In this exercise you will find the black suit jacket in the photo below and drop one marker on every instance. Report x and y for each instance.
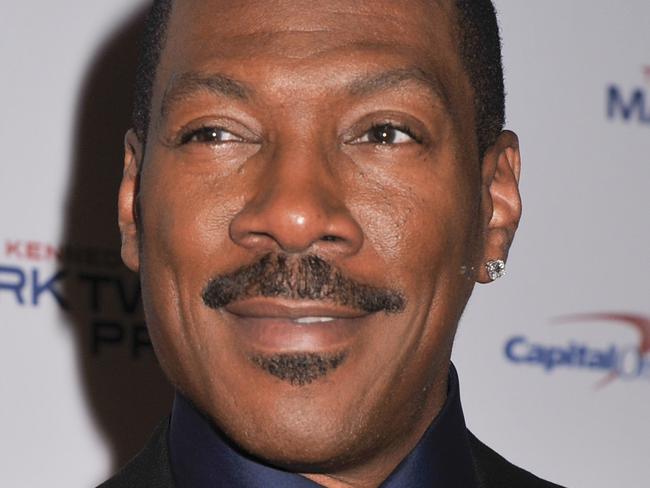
(151, 468)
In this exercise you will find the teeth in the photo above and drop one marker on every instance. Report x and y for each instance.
(313, 320)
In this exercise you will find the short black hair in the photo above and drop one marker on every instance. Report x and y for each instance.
(480, 52)
(152, 43)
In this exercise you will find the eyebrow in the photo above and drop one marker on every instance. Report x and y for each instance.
(385, 80)
(184, 84)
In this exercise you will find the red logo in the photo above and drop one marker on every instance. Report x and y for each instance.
(638, 322)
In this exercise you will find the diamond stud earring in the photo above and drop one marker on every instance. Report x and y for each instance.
(496, 268)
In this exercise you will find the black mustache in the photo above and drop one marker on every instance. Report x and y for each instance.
(308, 277)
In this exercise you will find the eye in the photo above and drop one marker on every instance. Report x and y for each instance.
(387, 134)
(210, 135)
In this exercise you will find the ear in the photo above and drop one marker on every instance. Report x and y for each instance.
(127, 213)
(500, 201)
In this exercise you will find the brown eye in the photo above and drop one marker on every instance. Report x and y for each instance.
(387, 134)
(210, 135)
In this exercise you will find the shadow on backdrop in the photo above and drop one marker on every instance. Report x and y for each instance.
(124, 387)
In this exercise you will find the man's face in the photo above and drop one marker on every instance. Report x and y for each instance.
(310, 195)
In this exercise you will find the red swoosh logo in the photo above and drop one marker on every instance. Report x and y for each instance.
(639, 322)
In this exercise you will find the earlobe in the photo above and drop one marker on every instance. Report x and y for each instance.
(127, 213)
(500, 202)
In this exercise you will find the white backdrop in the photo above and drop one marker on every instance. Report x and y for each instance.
(554, 360)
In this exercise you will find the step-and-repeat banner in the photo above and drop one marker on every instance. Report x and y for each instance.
(554, 359)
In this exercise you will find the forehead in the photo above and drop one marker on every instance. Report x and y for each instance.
(306, 44)
(346, 20)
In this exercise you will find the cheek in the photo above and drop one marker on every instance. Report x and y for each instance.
(423, 227)
(186, 215)
(384, 215)
(184, 233)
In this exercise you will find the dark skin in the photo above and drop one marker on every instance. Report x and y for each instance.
(340, 129)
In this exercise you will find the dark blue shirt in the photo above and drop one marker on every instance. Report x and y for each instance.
(201, 458)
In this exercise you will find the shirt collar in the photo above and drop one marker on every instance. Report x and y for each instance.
(202, 457)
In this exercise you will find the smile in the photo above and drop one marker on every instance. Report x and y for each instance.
(273, 325)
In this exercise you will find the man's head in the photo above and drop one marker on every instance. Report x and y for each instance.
(313, 214)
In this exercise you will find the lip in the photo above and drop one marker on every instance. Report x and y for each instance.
(285, 309)
(268, 325)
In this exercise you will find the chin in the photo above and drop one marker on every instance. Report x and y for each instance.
(307, 429)
(306, 445)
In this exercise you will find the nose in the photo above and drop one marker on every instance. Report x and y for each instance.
(298, 205)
